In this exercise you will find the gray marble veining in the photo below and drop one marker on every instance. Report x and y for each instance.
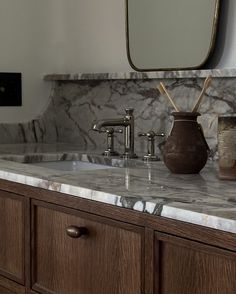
(78, 100)
(149, 188)
(77, 105)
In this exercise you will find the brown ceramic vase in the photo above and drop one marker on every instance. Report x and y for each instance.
(185, 150)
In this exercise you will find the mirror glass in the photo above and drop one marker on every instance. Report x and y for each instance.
(170, 34)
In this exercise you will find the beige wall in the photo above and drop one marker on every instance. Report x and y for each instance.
(62, 36)
(57, 36)
(24, 35)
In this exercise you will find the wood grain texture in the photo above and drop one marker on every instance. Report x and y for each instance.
(6, 291)
(149, 261)
(27, 245)
(12, 236)
(184, 267)
(107, 260)
(12, 287)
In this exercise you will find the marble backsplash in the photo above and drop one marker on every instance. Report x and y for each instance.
(76, 105)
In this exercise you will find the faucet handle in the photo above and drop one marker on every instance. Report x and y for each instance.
(110, 140)
(109, 131)
(113, 131)
(151, 135)
(151, 145)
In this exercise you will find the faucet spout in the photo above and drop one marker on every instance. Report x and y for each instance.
(112, 122)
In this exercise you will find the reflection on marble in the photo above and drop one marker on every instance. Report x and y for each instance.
(149, 188)
(76, 105)
(203, 214)
(34, 153)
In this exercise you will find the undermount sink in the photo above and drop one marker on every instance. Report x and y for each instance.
(74, 165)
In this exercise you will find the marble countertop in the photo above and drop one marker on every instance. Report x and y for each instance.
(201, 199)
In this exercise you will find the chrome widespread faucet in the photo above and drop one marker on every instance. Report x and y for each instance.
(128, 123)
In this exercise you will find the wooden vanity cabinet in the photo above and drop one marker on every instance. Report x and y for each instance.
(184, 267)
(52, 243)
(12, 237)
(76, 253)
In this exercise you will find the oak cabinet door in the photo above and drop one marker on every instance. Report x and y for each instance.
(10, 287)
(6, 291)
(12, 236)
(184, 267)
(106, 258)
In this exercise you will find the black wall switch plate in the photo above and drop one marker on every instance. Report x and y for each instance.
(10, 89)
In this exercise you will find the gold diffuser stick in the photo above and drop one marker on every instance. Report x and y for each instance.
(206, 84)
(164, 91)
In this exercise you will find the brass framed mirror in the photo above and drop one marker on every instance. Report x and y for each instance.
(170, 35)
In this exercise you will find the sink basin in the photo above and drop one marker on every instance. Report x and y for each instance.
(74, 165)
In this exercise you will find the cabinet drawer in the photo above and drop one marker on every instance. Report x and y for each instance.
(184, 267)
(12, 236)
(106, 259)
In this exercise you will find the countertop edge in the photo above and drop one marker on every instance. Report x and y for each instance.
(167, 211)
(217, 73)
